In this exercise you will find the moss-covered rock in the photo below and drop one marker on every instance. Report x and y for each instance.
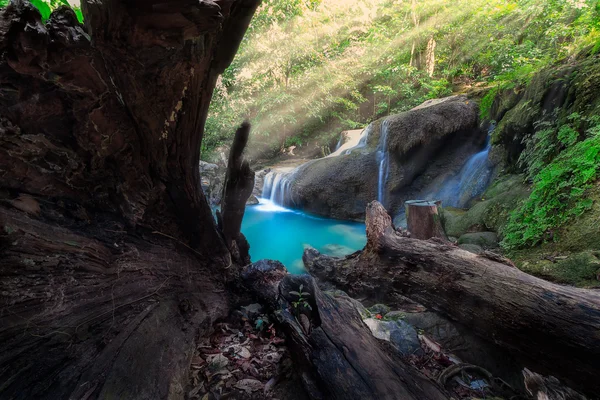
(486, 240)
(552, 95)
(472, 248)
(579, 269)
(379, 309)
(490, 214)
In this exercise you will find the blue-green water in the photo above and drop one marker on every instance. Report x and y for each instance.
(279, 233)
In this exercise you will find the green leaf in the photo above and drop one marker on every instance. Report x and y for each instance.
(43, 8)
(295, 293)
(79, 14)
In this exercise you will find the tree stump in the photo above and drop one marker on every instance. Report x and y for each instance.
(423, 219)
(239, 183)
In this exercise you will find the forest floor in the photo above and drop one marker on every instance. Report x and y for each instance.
(246, 358)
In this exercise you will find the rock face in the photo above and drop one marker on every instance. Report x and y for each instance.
(212, 176)
(402, 336)
(406, 155)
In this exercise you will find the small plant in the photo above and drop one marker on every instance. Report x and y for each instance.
(302, 301)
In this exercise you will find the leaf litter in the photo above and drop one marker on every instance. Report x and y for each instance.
(245, 358)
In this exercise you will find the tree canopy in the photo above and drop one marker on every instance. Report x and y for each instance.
(309, 69)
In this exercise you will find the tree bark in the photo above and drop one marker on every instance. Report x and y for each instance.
(336, 352)
(552, 329)
(111, 263)
(423, 220)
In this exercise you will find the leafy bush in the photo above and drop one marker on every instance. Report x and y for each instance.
(558, 195)
(485, 105)
(45, 7)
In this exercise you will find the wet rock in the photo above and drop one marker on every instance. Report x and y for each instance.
(336, 250)
(400, 334)
(490, 214)
(259, 181)
(425, 147)
(486, 240)
(395, 315)
(212, 177)
(252, 311)
(473, 248)
(252, 200)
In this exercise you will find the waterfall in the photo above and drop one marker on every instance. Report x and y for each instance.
(362, 141)
(276, 187)
(339, 143)
(383, 161)
(471, 181)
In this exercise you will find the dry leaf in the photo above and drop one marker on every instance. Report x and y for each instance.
(436, 348)
(243, 352)
(249, 385)
(217, 362)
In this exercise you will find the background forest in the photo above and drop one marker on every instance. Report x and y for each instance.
(308, 69)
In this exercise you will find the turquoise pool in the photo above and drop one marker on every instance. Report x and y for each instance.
(278, 233)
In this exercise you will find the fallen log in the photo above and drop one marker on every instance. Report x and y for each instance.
(336, 352)
(552, 329)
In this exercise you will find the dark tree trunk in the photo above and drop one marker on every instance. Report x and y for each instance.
(111, 264)
(338, 356)
(552, 329)
(238, 186)
(423, 220)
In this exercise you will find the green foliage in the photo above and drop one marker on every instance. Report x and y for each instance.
(485, 105)
(45, 7)
(302, 302)
(560, 184)
(309, 69)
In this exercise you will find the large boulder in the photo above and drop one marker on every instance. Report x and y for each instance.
(420, 149)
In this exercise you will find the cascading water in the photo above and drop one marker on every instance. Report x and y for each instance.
(276, 187)
(472, 180)
(383, 162)
(362, 142)
(339, 143)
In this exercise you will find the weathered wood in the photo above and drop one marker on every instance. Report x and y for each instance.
(338, 355)
(423, 220)
(552, 329)
(548, 388)
(111, 264)
(238, 186)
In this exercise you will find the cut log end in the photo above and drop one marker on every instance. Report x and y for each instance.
(423, 219)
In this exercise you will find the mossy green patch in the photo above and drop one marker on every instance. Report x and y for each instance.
(579, 269)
